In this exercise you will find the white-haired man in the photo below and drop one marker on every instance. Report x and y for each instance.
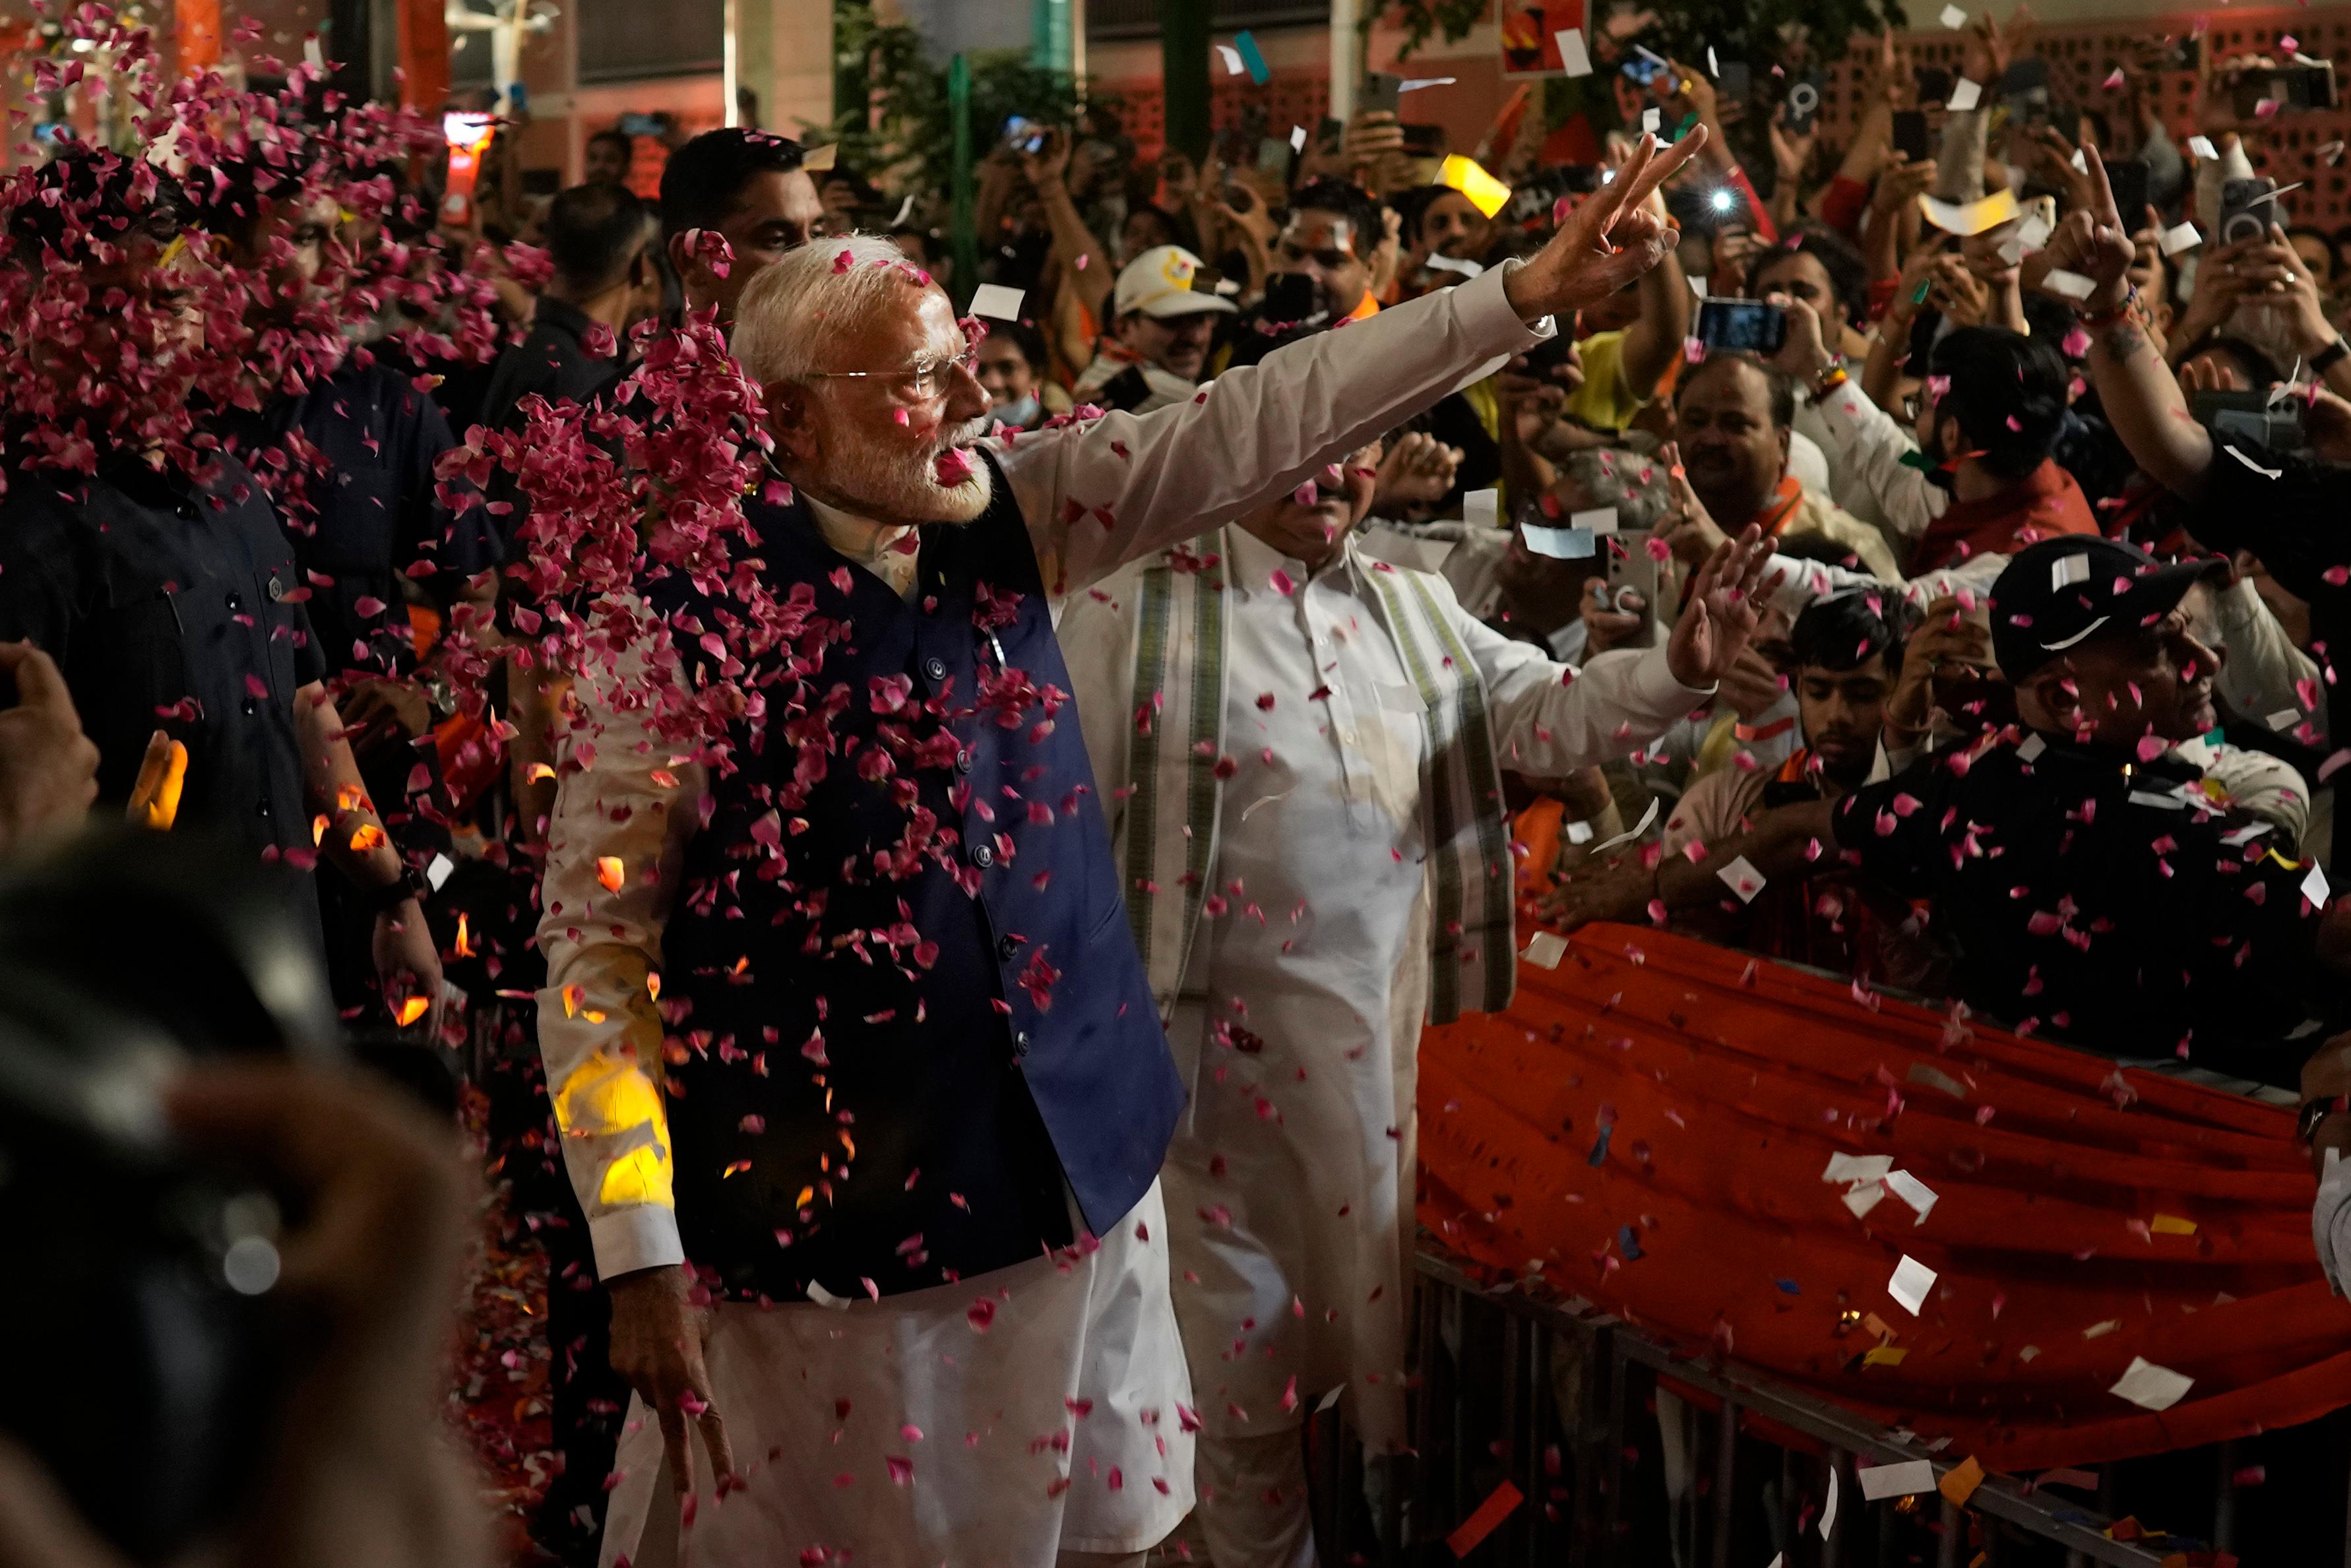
(913, 1083)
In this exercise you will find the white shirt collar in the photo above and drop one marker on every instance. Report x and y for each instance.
(867, 543)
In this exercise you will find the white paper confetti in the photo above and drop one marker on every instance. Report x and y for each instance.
(438, 872)
(1912, 1191)
(2030, 747)
(1911, 1283)
(1572, 52)
(2314, 886)
(1599, 519)
(996, 301)
(2033, 231)
(1697, 285)
(1741, 877)
(1298, 139)
(1828, 1509)
(1232, 58)
(2071, 285)
(1652, 119)
(2151, 1387)
(1954, 18)
(1416, 83)
(1857, 1168)
(1460, 263)
(2240, 456)
(2068, 570)
(1579, 832)
(1906, 1478)
(1965, 95)
(1546, 948)
(2179, 237)
(2202, 147)
(826, 1299)
(1480, 509)
(1558, 544)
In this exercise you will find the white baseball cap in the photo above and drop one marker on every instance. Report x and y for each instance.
(1166, 281)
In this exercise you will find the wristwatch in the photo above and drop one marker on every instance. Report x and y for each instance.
(384, 900)
(2328, 357)
(2313, 1112)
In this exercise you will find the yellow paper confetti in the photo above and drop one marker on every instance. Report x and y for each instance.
(408, 1009)
(367, 836)
(610, 873)
(2172, 1225)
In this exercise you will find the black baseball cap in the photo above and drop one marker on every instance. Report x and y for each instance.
(2061, 592)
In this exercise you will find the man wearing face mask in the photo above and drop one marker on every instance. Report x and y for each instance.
(2096, 891)
(1163, 313)
(1301, 750)
(1012, 373)
(903, 1096)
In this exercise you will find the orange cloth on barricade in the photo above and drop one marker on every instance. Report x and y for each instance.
(1651, 1120)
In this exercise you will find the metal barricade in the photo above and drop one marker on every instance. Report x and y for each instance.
(1562, 1401)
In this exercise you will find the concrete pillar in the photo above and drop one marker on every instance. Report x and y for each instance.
(784, 54)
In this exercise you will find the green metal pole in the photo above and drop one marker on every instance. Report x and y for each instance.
(967, 237)
(1183, 75)
(1049, 35)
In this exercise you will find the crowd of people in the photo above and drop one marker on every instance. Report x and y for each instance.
(940, 834)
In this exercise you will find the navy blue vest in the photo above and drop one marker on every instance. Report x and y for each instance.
(903, 1004)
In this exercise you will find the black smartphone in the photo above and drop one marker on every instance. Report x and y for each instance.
(2248, 208)
(1934, 84)
(2029, 73)
(2296, 87)
(1379, 94)
(1748, 325)
(1534, 200)
(2250, 414)
(2128, 177)
(1424, 140)
(1736, 82)
(1804, 102)
(1549, 354)
(1910, 134)
(1290, 297)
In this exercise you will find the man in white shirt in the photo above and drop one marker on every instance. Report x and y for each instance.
(1301, 747)
(846, 967)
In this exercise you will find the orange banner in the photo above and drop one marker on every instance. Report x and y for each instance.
(1650, 1125)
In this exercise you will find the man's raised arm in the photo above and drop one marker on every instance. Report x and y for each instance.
(1123, 486)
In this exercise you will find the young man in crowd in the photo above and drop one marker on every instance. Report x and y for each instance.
(1845, 654)
(1164, 311)
(748, 188)
(602, 240)
(609, 155)
(2096, 893)
(1979, 478)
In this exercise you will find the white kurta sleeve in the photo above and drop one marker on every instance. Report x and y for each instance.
(1870, 445)
(1791, 583)
(1116, 489)
(616, 819)
(2264, 672)
(1550, 719)
(2330, 1223)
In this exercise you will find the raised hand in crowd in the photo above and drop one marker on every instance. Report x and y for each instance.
(1618, 621)
(1720, 612)
(1689, 530)
(1948, 643)
(1610, 239)
(48, 767)
(1414, 476)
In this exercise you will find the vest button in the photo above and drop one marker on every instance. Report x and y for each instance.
(1020, 1043)
(982, 857)
(963, 760)
(935, 668)
(1006, 947)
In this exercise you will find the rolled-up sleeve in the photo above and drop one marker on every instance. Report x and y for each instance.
(1110, 490)
(1550, 719)
(624, 812)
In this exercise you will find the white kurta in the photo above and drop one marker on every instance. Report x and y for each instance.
(1095, 496)
(1289, 1186)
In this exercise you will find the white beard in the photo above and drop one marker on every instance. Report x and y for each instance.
(886, 485)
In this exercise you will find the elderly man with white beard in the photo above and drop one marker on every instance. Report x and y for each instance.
(904, 1095)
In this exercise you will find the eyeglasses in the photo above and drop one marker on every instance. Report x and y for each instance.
(924, 379)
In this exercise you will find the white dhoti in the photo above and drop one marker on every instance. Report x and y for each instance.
(900, 1432)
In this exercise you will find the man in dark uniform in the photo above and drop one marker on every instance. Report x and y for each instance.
(174, 602)
(602, 239)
